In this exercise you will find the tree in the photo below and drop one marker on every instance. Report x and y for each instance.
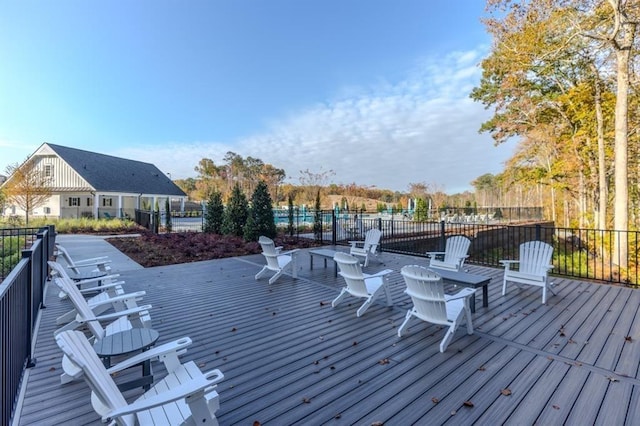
(28, 186)
(214, 214)
(290, 205)
(261, 220)
(317, 222)
(236, 213)
(421, 211)
(167, 218)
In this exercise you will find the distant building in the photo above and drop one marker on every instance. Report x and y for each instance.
(3, 178)
(88, 184)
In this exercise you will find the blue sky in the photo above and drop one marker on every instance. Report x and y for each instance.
(376, 91)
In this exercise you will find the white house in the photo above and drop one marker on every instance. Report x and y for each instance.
(88, 184)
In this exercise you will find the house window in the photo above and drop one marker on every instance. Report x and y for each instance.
(107, 202)
(47, 210)
(48, 170)
(74, 201)
(89, 201)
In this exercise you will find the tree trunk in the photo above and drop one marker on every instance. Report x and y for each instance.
(601, 219)
(621, 158)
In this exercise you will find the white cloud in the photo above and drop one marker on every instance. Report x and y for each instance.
(421, 129)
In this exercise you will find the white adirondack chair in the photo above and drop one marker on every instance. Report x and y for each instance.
(430, 304)
(110, 296)
(97, 263)
(533, 267)
(367, 247)
(360, 285)
(277, 260)
(185, 396)
(453, 256)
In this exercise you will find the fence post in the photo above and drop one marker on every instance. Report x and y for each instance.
(443, 237)
(538, 231)
(31, 362)
(334, 227)
(44, 266)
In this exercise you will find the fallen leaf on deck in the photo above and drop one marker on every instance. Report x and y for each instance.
(384, 361)
(234, 329)
(506, 392)
(628, 339)
(306, 400)
(556, 407)
(468, 404)
(256, 423)
(435, 400)
(482, 368)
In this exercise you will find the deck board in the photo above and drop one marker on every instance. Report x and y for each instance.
(290, 358)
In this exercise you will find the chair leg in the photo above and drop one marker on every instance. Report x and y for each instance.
(387, 294)
(200, 411)
(405, 322)
(262, 272)
(338, 299)
(447, 337)
(365, 305)
(275, 277)
(504, 286)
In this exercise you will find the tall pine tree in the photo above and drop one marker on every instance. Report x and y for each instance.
(236, 214)
(214, 214)
(261, 220)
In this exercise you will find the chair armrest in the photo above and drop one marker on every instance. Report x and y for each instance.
(378, 274)
(289, 252)
(179, 392)
(95, 260)
(87, 265)
(355, 243)
(434, 253)
(100, 287)
(154, 352)
(507, 263)
(137, 295)
(465, 292)
(97, 279)
(116, 315)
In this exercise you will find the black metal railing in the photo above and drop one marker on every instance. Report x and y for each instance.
(578, 253)
(21, 298)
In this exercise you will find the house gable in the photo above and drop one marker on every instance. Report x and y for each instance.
(105, 173)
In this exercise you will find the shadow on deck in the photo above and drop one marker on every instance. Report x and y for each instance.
(289, 358)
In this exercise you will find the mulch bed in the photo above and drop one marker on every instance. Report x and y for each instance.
(167, 249)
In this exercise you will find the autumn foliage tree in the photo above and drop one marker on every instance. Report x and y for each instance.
(28, 186)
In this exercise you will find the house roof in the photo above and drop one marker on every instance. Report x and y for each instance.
(114, 174)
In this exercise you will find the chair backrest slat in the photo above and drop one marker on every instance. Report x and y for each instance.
(67, 285)
(456, 247)
(535, 257)
(427, 293)
(78, 350)
(269, 251)
(351, 271)
(372, 239)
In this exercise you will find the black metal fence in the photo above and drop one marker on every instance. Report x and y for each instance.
(21, 298)
(578, 253)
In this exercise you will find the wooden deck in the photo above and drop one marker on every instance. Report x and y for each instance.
(289, 358)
